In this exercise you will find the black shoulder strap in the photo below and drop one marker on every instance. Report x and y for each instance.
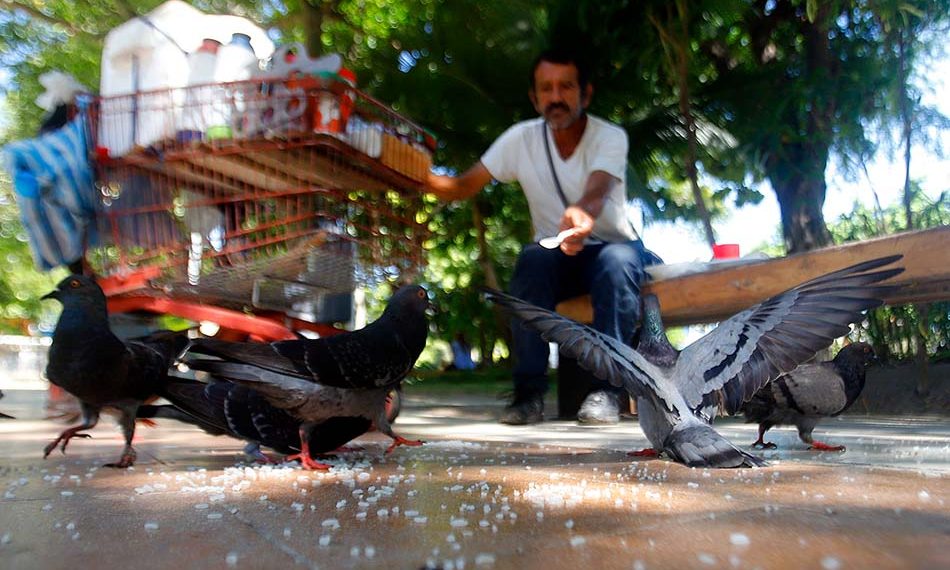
(557, 183)
(547, 149)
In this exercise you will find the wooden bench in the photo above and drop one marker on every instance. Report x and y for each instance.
(720, 292)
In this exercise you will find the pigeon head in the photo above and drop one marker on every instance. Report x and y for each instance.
(408, 302)
(859, 354)
(80, 293)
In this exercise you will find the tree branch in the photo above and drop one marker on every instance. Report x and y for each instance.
(38, 14)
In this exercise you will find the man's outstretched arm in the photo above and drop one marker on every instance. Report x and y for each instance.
(459, 187)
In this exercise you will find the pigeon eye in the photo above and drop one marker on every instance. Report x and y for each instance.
(75, 283)
(421, 294)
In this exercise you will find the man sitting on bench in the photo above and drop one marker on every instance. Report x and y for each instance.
(571, 167)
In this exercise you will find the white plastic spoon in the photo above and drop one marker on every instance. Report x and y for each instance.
(554, 242)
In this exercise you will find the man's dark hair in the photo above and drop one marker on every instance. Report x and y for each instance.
(563, 56)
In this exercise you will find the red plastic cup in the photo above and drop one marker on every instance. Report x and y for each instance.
(725, 251)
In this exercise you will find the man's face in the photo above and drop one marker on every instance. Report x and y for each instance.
(557, 94)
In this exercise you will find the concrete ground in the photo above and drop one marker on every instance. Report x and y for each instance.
(477, 495)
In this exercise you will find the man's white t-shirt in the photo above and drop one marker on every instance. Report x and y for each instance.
(519, 155)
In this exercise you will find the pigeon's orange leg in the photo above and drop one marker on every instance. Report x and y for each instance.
(646, 452)
(127, 459)
(90, 417)
(399, 440)
(64, 438)
(306, 461)
(821, 446)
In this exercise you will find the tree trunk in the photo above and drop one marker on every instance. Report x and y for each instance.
(692, 144)
(486, 341)
(907, 119)
(923, 372)
(677, 52)
(484, 257)
(313, 25)
(800, 199)
(796, 168)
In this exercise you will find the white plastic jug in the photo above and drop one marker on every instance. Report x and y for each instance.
(200, 105)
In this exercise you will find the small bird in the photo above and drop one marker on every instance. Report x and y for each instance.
(345, 375)
(226, 408)
(3, 415)
(809, 393)
(90, 362)
(679, 392)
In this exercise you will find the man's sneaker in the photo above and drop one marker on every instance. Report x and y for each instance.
(524, 410)
(600, 407)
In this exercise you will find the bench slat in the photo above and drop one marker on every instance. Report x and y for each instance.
(713, 295)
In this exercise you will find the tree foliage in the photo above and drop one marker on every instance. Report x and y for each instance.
(897, 333)
(724, 92)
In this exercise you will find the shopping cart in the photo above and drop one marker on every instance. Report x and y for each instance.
(259, 205)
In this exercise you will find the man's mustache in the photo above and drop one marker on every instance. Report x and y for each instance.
(554, 106)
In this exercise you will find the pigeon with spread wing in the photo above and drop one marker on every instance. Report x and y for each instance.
(678, 392)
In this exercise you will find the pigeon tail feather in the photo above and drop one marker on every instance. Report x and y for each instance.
(698, 445)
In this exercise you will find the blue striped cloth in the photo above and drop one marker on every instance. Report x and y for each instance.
(53, 183)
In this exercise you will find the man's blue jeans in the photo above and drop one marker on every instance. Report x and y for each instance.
(610, 272)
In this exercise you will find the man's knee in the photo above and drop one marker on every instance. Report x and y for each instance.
(619, 265)
(536, 267)
(536, 258)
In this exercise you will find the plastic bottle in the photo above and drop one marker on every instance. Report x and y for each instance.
(200, 110)
(235, 62)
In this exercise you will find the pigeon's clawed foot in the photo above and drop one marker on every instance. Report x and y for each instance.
(64, 439)
(647, 452)
(820, 446)
(127, 459)
(764, 445)
(308, 462)
(399, 440)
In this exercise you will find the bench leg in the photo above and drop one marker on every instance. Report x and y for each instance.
(572, 388)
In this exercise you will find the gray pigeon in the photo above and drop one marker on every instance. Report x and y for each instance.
(226, 408)
(3, 415)
(343, 376)
(678, 392)
(811, 392)
(87, 360)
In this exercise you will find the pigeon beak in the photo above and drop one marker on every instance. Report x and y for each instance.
(54, 294)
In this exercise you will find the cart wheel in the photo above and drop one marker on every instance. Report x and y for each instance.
(393, 405)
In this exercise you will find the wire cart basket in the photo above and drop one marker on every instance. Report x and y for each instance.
(260, 205)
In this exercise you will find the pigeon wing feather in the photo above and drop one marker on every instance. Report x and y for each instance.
(603, 356)
(757, 345)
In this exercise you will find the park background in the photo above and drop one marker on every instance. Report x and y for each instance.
(782, 126)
